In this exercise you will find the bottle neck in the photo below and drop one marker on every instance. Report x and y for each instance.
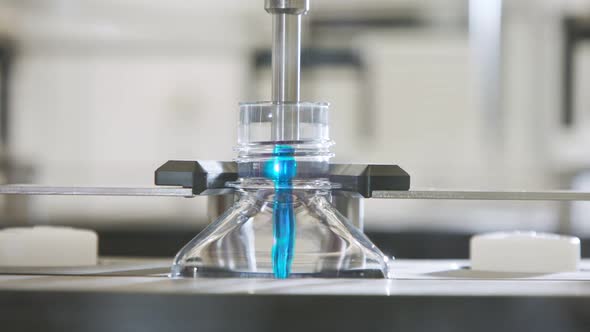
(283, 143)
(284, 165)
(278, 161)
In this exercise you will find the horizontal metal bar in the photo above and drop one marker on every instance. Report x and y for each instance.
(25, 189)
(435, 194)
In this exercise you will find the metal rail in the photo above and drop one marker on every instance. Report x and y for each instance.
(484, 195)
(25, 189)
(431, 194)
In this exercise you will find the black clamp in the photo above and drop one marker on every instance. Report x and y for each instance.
(210, 177)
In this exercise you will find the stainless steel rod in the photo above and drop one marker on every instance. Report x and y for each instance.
(286, 65)
(433, 194)
(24, 189)
(286, 58)
(552, 195)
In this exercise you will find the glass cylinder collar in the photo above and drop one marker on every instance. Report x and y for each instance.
(267, 122)
(270, 130)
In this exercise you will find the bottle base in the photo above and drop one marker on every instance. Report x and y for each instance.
(193, 272)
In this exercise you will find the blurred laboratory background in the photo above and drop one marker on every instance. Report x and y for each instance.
(479, 94)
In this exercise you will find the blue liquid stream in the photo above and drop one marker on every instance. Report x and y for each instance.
(282, 168)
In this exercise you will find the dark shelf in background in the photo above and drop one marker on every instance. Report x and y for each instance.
(408, 244)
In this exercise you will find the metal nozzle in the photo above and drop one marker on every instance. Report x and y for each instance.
(293, 7)
(286, 47)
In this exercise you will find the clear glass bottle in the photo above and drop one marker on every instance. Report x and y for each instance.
(282, 223)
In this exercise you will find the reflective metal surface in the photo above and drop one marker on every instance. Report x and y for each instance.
(23, 189)
(295, 7)
(218, 204)
(412, 278)
(286, 66)
(286, 47)
(435, 194)
(553, 195)
(115, 266)
(352, 206)
(286, 62)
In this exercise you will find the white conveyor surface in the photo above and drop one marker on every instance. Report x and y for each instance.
(412, 278)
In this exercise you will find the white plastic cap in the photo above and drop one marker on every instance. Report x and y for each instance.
(527, 252)
(44, 246)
